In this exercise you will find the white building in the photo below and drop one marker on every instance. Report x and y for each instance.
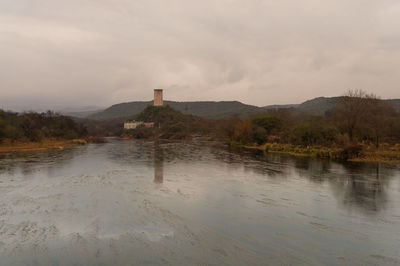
(132, 124)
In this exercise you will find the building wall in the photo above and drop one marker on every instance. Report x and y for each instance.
(132, 125)
(158, 97)
(135, 124)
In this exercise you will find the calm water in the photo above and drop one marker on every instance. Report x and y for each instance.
(126, 202)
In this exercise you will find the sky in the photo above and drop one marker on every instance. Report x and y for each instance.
(56, 54)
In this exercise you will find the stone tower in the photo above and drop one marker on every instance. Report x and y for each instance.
(158, 97)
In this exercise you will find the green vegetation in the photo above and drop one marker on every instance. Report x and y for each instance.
(169, 124)
(33, 127)
(353, 130)
(347, 153)
(319, 106)
(79, 141)
(8, 146)
(102, 128)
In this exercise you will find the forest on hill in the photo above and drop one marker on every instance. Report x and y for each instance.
(208, 109)
(170, 124)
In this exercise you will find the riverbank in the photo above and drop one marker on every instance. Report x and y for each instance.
(355, 153)
(380, 155)
(8, 146)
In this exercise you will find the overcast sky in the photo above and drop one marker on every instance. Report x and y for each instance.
(60, 53)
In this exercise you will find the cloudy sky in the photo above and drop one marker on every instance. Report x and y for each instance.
(59, 53)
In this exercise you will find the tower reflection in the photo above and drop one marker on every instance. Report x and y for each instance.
(158, 163)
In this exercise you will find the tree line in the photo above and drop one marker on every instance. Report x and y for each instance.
(358, 118)
(34, 127)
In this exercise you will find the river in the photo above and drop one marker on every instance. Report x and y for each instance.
(185, 203)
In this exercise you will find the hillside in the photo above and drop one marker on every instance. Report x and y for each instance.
(80, 112)
(120, 110)
(206, 109)
(320, 105)
(216, 110)
(169, 124)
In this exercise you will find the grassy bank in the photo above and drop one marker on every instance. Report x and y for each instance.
(8, 146)
(384, 154)
(361, 153)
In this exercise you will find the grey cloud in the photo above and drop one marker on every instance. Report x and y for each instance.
(71, 53)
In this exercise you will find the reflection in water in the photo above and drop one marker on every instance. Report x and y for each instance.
(356, 185)
(158, 163)
(98, 205)
(363, 186)
(30, 162)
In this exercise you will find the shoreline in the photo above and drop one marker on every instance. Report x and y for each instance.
(376, 156)
(44, 145)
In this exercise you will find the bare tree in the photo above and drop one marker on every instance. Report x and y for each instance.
(351, 111)
(359, 109)
(378, 114)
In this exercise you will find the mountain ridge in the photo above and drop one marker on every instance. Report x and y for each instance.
(222, 109)
(207, 109)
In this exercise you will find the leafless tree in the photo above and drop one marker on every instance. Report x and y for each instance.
(377, 118)
(359, 109)
(351, 111)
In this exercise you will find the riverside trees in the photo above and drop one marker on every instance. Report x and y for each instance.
(363, 116)
(358, 117)
(35, 126)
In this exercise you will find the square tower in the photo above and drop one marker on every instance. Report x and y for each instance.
(158, 97)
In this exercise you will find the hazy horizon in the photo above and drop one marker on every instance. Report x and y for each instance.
(57, 54)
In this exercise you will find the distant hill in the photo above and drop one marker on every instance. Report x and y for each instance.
(217, 110)
(81, 112)
(207, 109)
(120, 110)
(320, 105)
(280, 106)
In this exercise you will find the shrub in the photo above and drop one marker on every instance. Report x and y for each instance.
(243, 132)
(141, 132)
(351, 151)
(260, 135)
(2, 130)
(79, 141)
(269, 123)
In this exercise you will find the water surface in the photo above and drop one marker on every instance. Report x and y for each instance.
(157, 203)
